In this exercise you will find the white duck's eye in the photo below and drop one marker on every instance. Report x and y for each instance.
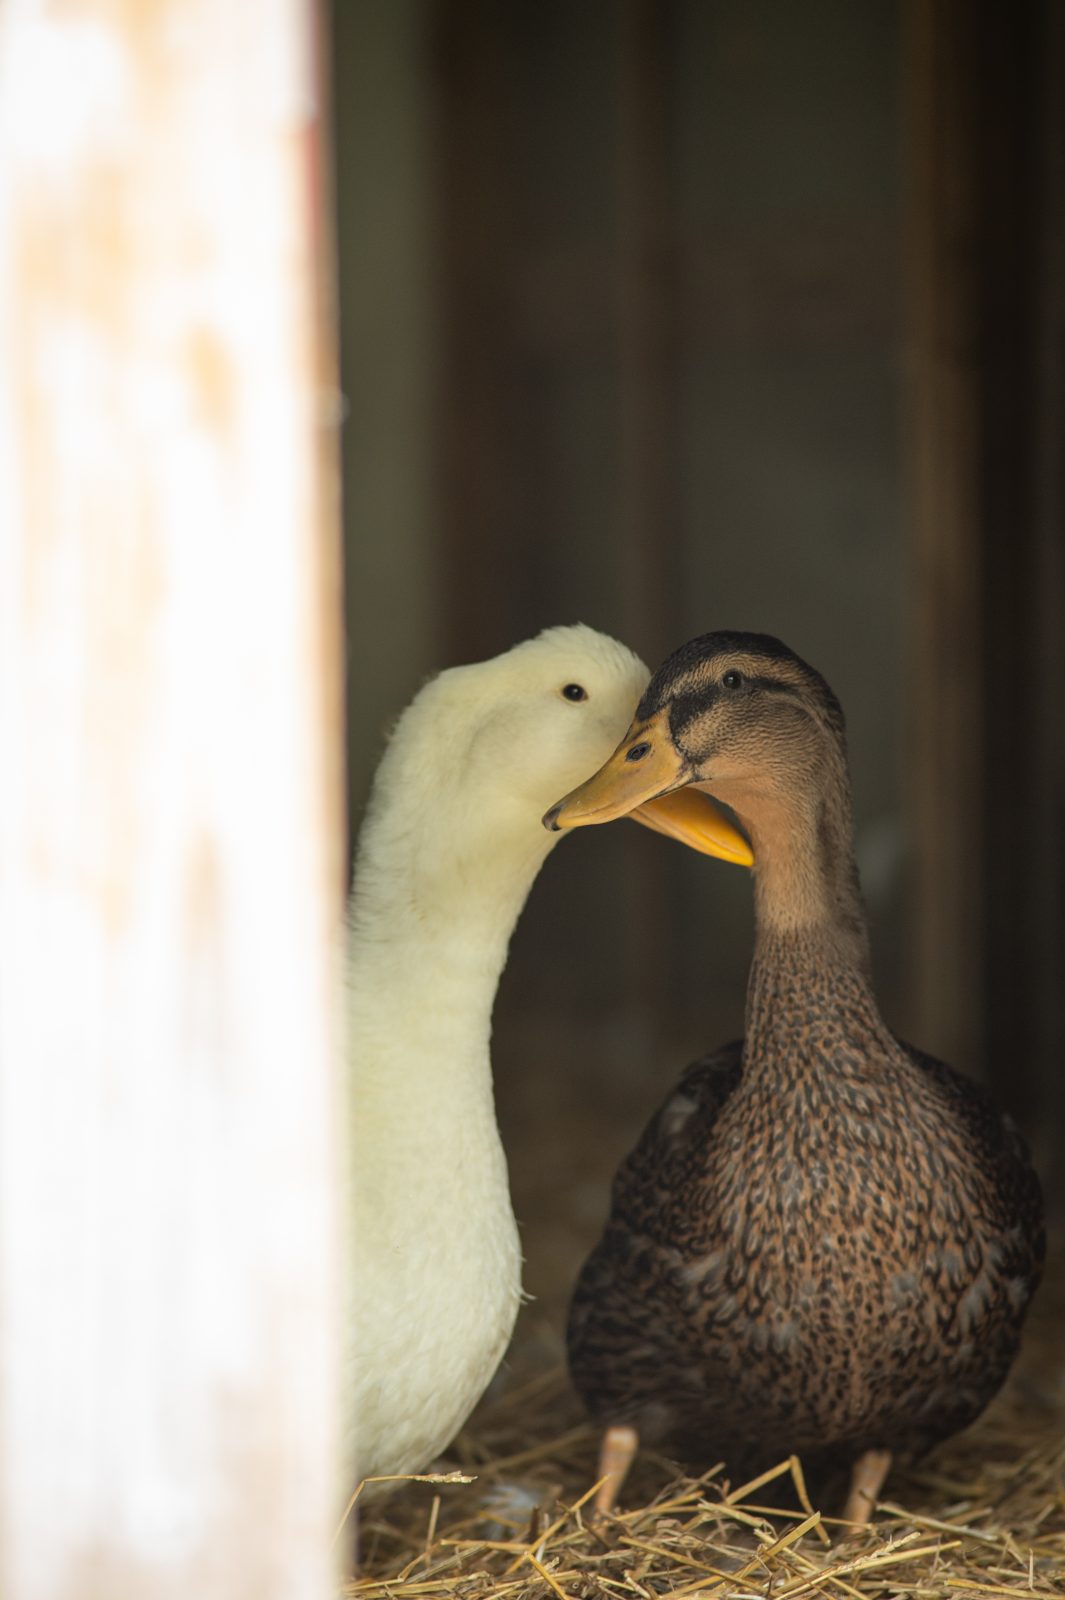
(573, 691)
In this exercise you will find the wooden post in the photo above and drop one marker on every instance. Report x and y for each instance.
(170, 819)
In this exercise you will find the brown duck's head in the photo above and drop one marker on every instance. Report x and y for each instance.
(736, 714)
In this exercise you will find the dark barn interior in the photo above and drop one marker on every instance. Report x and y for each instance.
(667, 315)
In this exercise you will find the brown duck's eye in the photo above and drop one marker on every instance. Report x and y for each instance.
(573, 691)
(732, 679)
(637, 752)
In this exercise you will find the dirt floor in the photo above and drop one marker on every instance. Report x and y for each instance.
(984, 1515)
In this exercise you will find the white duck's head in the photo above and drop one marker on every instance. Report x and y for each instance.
(484, 749)
(542, 708)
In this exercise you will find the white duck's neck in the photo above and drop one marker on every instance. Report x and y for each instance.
(429, 933)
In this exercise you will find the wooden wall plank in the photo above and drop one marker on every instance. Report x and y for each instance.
(170, 807)
(1046, 860)
(945, 692)
(647, 496)
(1021, 128)
(985, 779)
(478, 402)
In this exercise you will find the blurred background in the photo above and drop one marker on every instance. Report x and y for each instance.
(673, 315)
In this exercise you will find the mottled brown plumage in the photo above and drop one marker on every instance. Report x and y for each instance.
(826, 1241)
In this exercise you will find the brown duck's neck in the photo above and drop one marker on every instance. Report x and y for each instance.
(805, 877)
(810, 983)
(809, 1001)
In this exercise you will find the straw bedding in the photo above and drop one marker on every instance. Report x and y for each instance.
(983, 1515)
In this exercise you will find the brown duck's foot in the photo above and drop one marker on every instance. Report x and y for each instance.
(867, 1480)
(616, 1456)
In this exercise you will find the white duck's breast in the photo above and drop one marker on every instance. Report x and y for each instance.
(436, 1282)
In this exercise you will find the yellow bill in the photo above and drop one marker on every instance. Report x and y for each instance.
(691, 817)
(645, 779)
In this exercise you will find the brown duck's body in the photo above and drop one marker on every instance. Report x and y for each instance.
(825, 1242)
(823, 1249)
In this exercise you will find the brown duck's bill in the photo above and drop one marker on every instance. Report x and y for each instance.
(652, 790)
(694, 820)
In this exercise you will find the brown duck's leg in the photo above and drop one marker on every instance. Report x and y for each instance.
(616, 1456)
(867, 1480)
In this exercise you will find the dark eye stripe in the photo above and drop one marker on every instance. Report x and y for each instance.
(686, 707)
(775, 686)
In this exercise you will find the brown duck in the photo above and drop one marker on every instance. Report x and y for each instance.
(826, 1241)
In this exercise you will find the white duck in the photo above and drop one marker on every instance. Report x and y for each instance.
(448, 851)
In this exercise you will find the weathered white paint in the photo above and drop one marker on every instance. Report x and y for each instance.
(170, 871)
